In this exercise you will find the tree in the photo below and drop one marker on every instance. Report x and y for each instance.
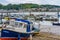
(1, 6)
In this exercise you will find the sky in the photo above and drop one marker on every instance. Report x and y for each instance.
(52, 2)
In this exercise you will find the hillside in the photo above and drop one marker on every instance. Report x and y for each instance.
(24, 6)
(49, 6)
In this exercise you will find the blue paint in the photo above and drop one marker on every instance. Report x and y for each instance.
(8, 33)
(19, 37)
(28, 28)
(26, 21)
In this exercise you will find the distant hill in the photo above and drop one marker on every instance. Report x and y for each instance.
(38, 6)
(49, 6)
(26, 5)
(29, 5)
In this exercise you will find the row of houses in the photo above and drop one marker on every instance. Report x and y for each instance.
(41, 9)
(31, 9)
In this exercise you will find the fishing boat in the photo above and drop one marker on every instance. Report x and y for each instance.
(19, 28)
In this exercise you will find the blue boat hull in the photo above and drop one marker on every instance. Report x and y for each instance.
(8, 33)
(58, 24)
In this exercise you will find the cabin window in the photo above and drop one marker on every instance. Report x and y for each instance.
(20, 24)
(16, 24)
(12, 23)
(25, 25)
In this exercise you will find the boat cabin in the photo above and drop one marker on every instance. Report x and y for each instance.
(20, 24)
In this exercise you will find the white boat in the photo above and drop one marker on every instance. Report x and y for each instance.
(58, 22)
(21, 25)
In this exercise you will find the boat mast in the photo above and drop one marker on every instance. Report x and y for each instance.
(58, 16)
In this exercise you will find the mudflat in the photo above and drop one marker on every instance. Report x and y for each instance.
(46, 36)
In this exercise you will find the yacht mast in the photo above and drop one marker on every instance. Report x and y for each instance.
(58, 16)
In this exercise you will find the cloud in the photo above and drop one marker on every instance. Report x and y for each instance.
(53, 2)
(21, 1)
(13, 1)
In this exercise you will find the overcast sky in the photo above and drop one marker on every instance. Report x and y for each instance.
(52, 2)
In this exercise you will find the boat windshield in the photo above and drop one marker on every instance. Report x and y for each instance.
(23, 25)
(18, 24)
